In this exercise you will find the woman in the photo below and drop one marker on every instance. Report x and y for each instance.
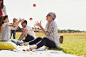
(2, 8)
(2, 12)
(51, 40)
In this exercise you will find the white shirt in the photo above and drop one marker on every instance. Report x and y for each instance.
(4, 10)
(29, 31)
(6, 32)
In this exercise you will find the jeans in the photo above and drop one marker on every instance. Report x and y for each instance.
(43, 41)
(14, 33)
(17, 42)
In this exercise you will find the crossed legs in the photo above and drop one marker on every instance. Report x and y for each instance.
(40, 42)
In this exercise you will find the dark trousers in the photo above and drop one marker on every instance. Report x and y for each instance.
(14, 33)
(28, 38)
(43, 41)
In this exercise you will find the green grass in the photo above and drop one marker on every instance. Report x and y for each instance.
(75, 45)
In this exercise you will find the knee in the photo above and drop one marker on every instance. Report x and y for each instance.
(44, 38)
(24, 33)
(39, 38)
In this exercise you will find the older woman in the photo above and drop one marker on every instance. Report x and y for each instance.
(51, 32)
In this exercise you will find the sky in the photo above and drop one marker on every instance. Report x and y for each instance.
(71, 14)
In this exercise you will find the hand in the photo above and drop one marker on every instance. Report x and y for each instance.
(36, 30)
(35, 27)
(37, 23)
(21, 20)
(17, 20)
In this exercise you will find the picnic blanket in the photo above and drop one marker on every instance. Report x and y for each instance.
(41, 52)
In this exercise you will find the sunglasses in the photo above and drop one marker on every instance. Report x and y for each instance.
(0, 0)
(48, 15)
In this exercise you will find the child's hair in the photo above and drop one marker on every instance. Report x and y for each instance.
(14, 18)
(25, 22)
(4, 17)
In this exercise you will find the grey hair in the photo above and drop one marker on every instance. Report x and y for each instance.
(53, 15)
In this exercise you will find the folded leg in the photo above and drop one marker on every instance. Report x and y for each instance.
(47, 42)
(35, 41)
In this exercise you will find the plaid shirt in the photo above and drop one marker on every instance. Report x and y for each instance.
(52, 32)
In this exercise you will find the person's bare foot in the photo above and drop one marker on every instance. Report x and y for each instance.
(26, 43)
(21, 45)
(27, 49)
(34, 47)
(31, 48)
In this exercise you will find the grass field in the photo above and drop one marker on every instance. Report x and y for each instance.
(74, 43)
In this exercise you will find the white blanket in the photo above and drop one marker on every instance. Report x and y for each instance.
(41, 52)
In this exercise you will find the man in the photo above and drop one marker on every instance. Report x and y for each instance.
(27, 32)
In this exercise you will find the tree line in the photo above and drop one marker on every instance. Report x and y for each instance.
(61, 31)
(70, 31)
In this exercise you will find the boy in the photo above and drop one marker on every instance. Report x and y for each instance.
(14, 31)
(6, 28)
(27, 32)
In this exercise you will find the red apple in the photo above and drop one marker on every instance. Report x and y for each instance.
(17, 28)
(31, 19)
(34, 5)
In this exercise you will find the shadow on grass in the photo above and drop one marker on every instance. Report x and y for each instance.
(56, 49)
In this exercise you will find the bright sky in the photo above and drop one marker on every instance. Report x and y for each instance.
(71, 14)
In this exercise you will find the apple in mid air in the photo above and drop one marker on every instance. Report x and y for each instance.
(34, 5)
(31, 19)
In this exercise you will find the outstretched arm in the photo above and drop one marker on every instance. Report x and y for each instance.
(15, 24)
(22, 30)
(39, 24)
(14, 28)
(21, 20)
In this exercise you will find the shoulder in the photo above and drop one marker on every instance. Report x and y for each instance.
(5, 25)
(52, 23)
(28, 27)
